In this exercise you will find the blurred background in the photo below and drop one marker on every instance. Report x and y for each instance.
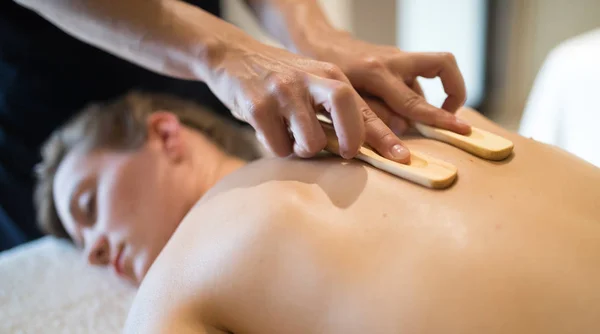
(532, 66)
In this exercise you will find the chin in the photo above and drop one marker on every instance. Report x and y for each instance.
(142, 264)
(138, 273)
(140, 270)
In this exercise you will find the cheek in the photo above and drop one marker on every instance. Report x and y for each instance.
(138, 199)
(127, 192)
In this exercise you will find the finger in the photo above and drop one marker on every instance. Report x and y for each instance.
(271, 130)
(396, 123)
(309, 137)
(417, 88)
(403, 124)
(277, 139)
(443, 65)
(413, 106)
(383, 140)
(340, 100)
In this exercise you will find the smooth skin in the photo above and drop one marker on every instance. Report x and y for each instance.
(334, 246)
(279, 92)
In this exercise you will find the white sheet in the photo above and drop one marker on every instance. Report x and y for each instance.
(563, 108)
(46, 287)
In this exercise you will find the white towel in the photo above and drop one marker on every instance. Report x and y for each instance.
(46, 287)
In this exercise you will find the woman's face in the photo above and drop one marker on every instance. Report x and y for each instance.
(121, 208)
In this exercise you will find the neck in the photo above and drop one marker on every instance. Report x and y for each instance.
(208, 165)
(223, 166)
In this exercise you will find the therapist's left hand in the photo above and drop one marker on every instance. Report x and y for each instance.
(390, 75)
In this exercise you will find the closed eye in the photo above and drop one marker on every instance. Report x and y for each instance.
(87, 204)
(91, 207)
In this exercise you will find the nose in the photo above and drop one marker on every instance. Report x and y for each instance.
(99, 251)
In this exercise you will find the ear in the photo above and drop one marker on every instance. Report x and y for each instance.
(165, 128)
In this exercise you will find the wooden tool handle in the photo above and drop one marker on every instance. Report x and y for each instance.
(481, 143)
(422, 169)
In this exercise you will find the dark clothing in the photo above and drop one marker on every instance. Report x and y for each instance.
(45, 77)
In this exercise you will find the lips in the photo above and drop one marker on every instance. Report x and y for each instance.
(118, 262)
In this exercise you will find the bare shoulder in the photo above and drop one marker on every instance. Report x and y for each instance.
(214, 250)
(174, 296)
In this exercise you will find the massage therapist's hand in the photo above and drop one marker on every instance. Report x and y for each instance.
(277, 91)
(273, 89)
(390, 74)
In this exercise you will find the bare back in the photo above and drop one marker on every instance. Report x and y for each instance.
(330, 246)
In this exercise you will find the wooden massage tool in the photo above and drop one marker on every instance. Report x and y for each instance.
(481, 143)
(423, 169)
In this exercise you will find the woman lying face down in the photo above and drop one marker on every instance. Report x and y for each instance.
(324, 245)
(119, 178)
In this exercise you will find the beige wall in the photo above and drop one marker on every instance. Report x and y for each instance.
(374, 21)
(534, 28)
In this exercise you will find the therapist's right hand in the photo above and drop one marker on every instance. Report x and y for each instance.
(279, 93)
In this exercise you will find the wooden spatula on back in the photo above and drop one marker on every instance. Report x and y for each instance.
(422, 169)
(481, 143)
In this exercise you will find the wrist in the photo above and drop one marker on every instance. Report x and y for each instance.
(225, 61)
(308, 40)
(207, 56)
(317, 43)
(198, 42)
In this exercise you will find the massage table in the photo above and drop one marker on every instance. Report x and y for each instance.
(46, 287)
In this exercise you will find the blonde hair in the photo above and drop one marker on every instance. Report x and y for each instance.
(121, 125)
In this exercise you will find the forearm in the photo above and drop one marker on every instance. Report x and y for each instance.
(169, 37)
(297, 24)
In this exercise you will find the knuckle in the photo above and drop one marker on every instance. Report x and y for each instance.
(259, 108)
(382, 132)
(413, 101)
(333, 71)
(373, 63)
(384, 136)
(449, 58)
(341, 91)
(284, 85)
(369, 115)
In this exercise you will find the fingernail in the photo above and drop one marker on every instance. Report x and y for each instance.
(399, 152)
(344, 153)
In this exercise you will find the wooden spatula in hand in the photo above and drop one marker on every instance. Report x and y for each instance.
(422, 169)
